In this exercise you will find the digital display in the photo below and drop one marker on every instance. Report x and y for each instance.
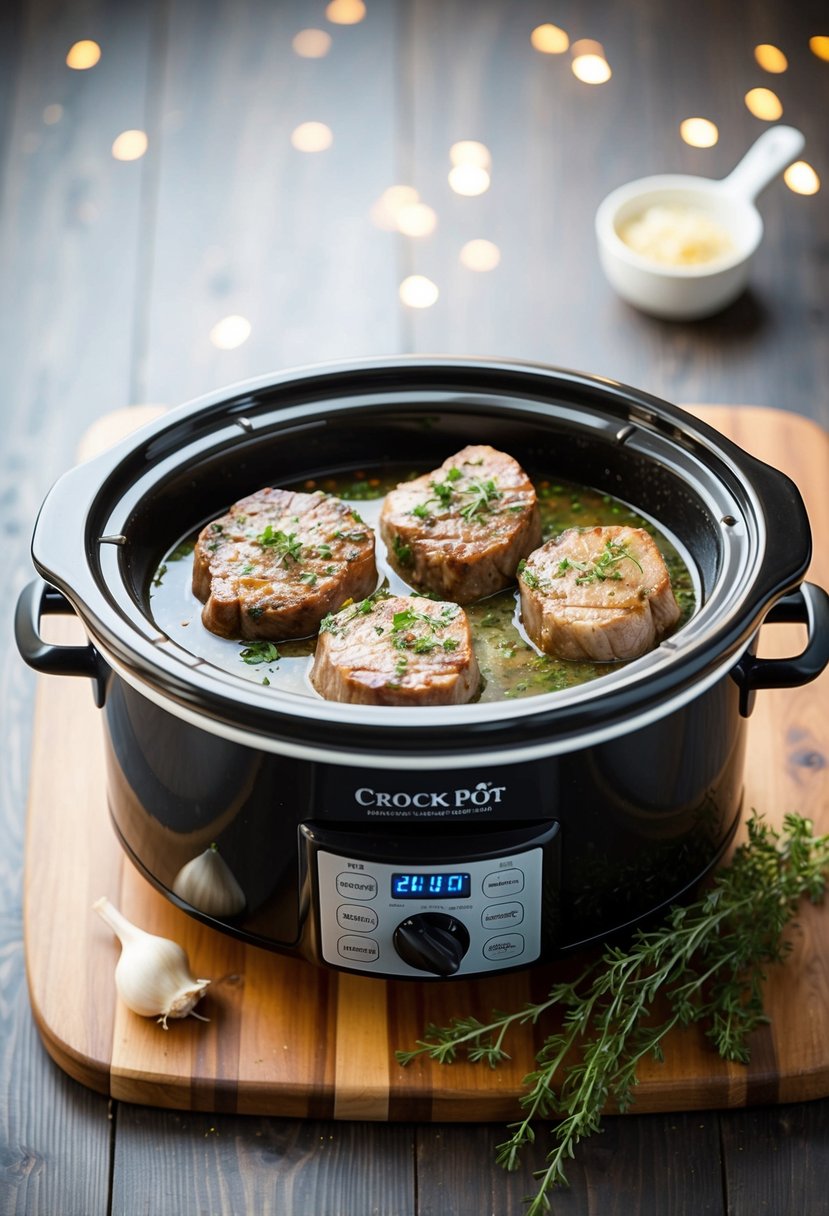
(431, 886)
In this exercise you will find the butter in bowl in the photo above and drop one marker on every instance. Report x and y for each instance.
(679, 246)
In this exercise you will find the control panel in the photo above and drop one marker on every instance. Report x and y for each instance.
(462, 918)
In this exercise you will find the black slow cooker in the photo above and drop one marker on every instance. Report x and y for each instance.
(436, 841)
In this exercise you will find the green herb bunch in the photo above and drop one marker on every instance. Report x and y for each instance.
(706, 964)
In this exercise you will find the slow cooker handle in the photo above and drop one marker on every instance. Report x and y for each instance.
(809, 606)
(40, 599)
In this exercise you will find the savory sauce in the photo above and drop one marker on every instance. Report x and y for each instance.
(510, 665)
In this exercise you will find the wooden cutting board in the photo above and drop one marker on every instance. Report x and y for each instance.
(286, 1038)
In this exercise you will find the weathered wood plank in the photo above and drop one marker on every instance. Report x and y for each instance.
(168, 1164)
(68, 241)
(668, 1164)
(247, 224)
(776, 1161)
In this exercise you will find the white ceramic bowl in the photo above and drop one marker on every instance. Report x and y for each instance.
(686, 292)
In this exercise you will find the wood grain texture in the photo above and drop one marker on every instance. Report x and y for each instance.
(249, 225)
(268, 1166)
(665, 1164)
(68, 238)
(286, 1038)
(796, 1139)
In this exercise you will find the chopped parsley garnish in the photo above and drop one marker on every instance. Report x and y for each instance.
(403, 629)
(529, 577)
(309, 578)
(259, 652)
(402, 551)
(284, 544)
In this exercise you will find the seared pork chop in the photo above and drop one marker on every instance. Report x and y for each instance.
(597, 593)
(462, 530)
(396, 651)
(278, 561)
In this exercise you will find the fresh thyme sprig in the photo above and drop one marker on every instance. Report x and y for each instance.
(707, 963)
(600, 568)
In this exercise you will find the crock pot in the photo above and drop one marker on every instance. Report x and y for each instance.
(435, 841)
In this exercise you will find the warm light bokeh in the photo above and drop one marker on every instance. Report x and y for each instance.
(765, 104)
(801, 178)
(230, 332)
(82, 55)
(469, 180)
(480, 255)
(345, 12)
(418, 292)
(416, 219)
(770, 58)
(392, 201)
(130, 145)
(549, 39)
(52, 114)
(470, 152)
(312, 137)
(590, 64)
(311, 44)
(699, 132)
(819, 45)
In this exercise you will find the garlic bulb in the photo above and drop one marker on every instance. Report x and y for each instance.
(208, 885)
(153, 975)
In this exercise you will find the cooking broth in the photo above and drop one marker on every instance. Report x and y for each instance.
(510, 665)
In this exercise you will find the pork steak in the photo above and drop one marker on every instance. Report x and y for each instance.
(396, 651)
(600, 593)
(461, 530)
(278, 562)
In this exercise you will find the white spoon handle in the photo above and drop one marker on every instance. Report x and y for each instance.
(767, 156)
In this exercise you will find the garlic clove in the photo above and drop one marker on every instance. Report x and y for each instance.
(208, 884)
(153, 975)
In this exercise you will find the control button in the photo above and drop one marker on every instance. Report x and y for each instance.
(359, 920)
(358, 949)
(501, 916)
(356, 886)
(504, 882)
(498, 949)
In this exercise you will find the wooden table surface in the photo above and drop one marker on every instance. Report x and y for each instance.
(113, 275)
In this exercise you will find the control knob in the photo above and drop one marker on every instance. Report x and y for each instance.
(432, 941)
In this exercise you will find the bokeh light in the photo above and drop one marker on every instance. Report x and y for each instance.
(83, 55)
(52, 114)
(470, 152)
(230, 332)
(469, 180)
(480, 255)
(130, 145)
(393, 200)
(770, 58)
(416, 219)
(418, 292)
(549, 39)
(311, 44)
(801, 178)
(819, 45)
(765, 104)
(590, 64)
(312, 137)
(699, 132)
(345, 12)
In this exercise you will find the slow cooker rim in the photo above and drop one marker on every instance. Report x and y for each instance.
(210, 688)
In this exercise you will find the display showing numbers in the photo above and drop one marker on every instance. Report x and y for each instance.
(425, 885)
